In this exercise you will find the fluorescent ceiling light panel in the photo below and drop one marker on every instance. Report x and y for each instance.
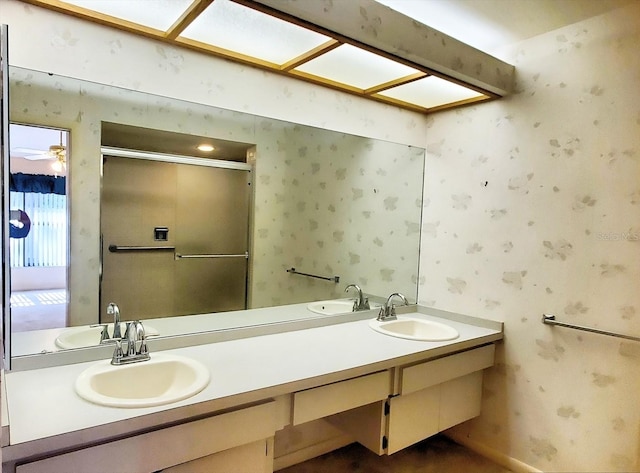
(356, 67)
(158, 14)
(231, 26)
(430, 92)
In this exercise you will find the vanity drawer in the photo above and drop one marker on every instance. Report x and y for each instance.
(430, 373)
(330, 399)
(167, 447)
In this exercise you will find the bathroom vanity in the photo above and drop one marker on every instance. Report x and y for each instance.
(383, 391)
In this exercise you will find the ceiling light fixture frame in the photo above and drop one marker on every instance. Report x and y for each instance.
(172, 36)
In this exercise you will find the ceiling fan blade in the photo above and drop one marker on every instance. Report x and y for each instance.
(38, 157)
(24, 152)
(35, 154)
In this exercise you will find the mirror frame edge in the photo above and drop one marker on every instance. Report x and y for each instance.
(6, 269)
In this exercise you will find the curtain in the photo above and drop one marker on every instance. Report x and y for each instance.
(46, 243)
(37, 183)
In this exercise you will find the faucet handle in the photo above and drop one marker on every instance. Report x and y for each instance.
(144, 349)
(366, 305)
(104, 333)
(118, 354)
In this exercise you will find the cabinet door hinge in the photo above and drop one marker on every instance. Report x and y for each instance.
(385, 442)
(387, 407)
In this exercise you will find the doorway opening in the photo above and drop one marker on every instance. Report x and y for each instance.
(38, 206)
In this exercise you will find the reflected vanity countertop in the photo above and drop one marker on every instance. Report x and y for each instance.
(46, 414)
(43, 341)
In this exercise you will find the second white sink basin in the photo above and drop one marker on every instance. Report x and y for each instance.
(335, 306)
(86, 336)
(413, 328)
(161, 380)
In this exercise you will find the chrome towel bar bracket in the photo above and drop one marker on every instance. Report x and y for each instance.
(549, 319)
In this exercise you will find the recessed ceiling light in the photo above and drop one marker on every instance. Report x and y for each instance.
(206, 148)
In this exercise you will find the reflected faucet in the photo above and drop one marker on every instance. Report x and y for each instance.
(112, 309)
(361, 303)
(388, 310)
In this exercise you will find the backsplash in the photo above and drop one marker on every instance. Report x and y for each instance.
(532, 205)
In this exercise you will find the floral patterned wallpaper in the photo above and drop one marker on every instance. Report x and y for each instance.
(532, 206)
(334, 204)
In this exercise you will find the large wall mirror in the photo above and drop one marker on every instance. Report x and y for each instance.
(323, 202)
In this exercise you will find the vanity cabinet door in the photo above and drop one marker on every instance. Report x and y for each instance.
(412, 418)
(433, 396)
(172, 446)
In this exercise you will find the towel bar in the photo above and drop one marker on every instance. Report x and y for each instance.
(335, 279)
(549, 319)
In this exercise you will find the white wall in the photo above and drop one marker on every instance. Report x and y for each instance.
(33, 279)
(532, 206)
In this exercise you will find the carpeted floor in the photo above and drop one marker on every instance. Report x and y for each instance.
(437, 454)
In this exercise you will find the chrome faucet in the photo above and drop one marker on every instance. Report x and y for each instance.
(105, 338)
(388, 310)
(361, 303)
(131, 353)
(112, 309)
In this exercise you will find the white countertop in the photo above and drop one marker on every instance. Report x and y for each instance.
(45, 413)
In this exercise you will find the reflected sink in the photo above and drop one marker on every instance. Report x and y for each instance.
(162, 380)
(415, 329)
(80, 337)
(336, 306)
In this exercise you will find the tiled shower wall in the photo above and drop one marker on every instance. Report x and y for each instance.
(532, 205)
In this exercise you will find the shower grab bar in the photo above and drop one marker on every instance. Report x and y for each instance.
(335, 279)
(244, 255)
(548, 319)
(118, 249)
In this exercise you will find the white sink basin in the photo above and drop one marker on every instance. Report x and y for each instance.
(161, 380)
(335, 306)
(80, 337)
(415, 329)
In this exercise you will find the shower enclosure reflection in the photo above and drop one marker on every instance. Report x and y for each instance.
(174, 236)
